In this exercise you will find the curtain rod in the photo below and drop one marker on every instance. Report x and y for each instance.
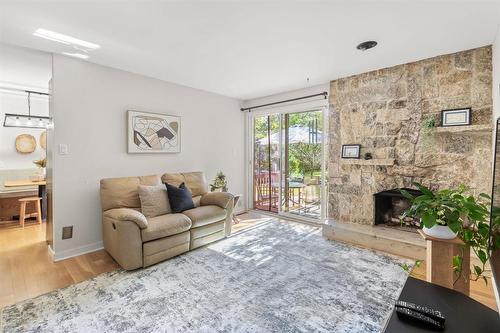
(324, 94)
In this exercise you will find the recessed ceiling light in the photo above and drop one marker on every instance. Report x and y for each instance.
(76, 55)
(68, 40)
(367, 45)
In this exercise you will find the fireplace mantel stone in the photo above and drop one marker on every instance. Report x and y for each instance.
(384, 110)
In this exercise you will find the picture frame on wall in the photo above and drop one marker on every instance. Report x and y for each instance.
(456, 117)
(153, 133)
(351, 151)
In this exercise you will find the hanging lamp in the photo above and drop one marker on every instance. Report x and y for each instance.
(27, 120)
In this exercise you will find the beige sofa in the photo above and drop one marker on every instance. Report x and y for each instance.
(135, 241)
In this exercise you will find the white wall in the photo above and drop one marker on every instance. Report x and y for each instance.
(14, 103)
(89, 109)
(23, 69)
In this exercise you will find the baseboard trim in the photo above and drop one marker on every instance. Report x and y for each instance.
(51, 252)
(66, 254)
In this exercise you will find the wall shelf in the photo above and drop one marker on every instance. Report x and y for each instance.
(472, 129)
(375, 161)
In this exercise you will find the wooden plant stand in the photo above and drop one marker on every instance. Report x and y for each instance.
(439, 263)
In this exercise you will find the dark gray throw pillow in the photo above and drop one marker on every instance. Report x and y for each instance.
(180, 198)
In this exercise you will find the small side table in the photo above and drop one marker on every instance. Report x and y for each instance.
(439, 262)
(237, 197)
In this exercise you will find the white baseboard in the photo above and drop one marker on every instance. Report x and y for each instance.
(66, 254)
(51, 252)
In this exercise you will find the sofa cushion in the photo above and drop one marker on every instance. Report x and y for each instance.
(195, 181)
(204, 215)
(154, 200)
(179, 197)
(175, 179)
(197, 200)
(165, 225)
(123, 192)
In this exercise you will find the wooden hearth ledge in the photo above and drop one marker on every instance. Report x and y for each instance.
(402, 243)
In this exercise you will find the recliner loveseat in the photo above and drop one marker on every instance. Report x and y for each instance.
(135, 241)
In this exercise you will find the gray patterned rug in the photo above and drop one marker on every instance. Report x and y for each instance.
(277, 277)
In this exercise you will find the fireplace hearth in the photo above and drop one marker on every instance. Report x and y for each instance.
(389, 208)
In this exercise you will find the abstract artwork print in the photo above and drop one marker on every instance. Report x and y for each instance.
(153, 133)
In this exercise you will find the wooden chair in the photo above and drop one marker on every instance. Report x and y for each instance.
(22, 213)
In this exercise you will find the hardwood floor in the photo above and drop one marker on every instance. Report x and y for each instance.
(27, 270)
(479, 291)
(248, 220)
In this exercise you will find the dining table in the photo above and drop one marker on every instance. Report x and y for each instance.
(42, 184)
(293, 186)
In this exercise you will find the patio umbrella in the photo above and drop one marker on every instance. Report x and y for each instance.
(296, 134)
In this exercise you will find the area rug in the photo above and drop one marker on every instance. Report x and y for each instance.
(277, 277)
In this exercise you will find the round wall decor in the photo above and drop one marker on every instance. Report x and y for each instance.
(25, 143)
(43, 140)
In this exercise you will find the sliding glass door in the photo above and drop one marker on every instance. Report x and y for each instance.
(288, 163)
(302, 167)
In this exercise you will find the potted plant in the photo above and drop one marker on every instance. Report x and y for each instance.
(219, 183)
(41, 163)
(452, 212)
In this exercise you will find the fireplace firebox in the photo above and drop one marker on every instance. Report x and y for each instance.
(389, 207)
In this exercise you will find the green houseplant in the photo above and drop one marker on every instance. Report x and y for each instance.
(219, 183)
(466, 216)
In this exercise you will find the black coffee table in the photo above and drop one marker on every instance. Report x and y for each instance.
(462, 313)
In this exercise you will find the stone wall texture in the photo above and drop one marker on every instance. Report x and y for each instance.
(384, 110)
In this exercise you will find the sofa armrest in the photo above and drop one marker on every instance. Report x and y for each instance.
(127, 214)
(221, 199)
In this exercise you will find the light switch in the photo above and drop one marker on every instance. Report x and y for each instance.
(63, 149)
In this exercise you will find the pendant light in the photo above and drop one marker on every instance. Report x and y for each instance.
(29, 120)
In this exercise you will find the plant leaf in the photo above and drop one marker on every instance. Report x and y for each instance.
(484, 195)
(424, 189)
(482, 256)
(407, 195)
(429, 219)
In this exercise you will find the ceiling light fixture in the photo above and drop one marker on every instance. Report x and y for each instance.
(64, 39)
(27, 120)
(367, 45)
(76, 55)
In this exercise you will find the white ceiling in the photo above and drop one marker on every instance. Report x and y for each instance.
(248, 49)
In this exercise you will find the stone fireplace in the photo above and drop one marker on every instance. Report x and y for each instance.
(389, 207)
(384, 111)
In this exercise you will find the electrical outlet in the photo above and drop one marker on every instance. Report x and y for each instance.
(67, 232)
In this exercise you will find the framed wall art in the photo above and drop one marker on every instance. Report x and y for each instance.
(456, 117)
(351, 151)
(153, 133)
